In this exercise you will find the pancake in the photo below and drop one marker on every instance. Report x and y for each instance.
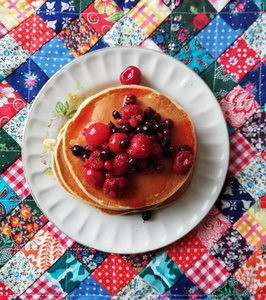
(145, 191)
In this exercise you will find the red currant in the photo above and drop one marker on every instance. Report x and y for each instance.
(131, 75)
(96, 134)
(114, 141)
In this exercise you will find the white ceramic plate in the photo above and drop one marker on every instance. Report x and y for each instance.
(128, 234)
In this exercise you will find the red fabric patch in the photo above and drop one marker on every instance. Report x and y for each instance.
(238, 59)
(64, 240)
(238, 105)
(10, 102)
(102, 19)
(241, 153)
(263, 201)
(5, 292)
(114, 273)
(263, 155)
(32, 34)
(186, 251)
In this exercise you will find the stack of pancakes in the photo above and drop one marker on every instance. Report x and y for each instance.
(146, 191)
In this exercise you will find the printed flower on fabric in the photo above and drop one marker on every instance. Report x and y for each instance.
(238, 106)
(88, 257)
(32, 34)
(255, 36)
(195, 14)
(12, 56)
(254, 130)
(10, 102)
(79, 37)
(231, 288)
(238, 59)
(18, 274)
(240, 14)
(232, 250)
(102, 15)
(171, 35)
(58, 14)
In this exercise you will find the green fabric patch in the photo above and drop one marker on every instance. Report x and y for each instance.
(81, 4)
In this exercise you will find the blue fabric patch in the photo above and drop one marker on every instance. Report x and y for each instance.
(89, 289)
(57, 14)
(234, 200)
(240, 14)
(217, 36)
(186, 289)
(8, 199)
(195, 56)
(27, 80)
(126, 5)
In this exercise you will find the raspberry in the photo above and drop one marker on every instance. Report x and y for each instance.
(94, 161)
(94, 177)
(129, 111)
(140, 146)
(96, 133)
(120, 164)
(182, 162)
(156, 150)
(114, 141)
(115, 186)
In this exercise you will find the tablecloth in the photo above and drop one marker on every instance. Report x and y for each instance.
(223, 41)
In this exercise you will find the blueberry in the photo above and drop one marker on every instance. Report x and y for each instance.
(156, 118)
(147, 129)
(106, 154)
(116, 114)
(111, 125)
(167, 132)
(86, 154)
(168, 123)
(158, 127)
(168, 151)
(149, 112)
(146, 215)
(166, 141)
(131, 99)
(124, 143)
(77, 150)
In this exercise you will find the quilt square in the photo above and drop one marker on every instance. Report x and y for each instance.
(18, 274)
(15, 126)
(135, 289)
(117, 36)
(186, 251)
(11, 102)
(5, 292)
(238, 59)
(8, 246)
(89, 288)
(78, 37)
(43, 250)
(32, 34)
(67, 273)
(171, 35)
(102, 15)
(64, 240)
(231, 288)
(195, 56)
(217, 36)
(258, 213)
(88, 257)
(252, 177)
(18, 9)
(114, 273)
(41, 288)
(255, 36)
(232, 250)
(254, 130)
(240, 14)
(208, 273)
(234, 200)
(218, 80)
(27, 80)
(14, 176)
(219, 4)
(58, 14)
(238, 106)
(125, 5)
(81, 4)
(195, 14)
(169, 273)
(3, 30)
(12, 56)
(241, 153)
(8, 157)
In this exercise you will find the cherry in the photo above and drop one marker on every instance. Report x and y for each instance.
(94, 177)
(114, 142)
(131, 75)
(182, 162)
(96, 133)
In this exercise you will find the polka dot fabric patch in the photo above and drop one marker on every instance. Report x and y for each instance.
(32, 34)
(114, 273)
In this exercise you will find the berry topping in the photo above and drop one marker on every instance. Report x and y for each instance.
(133, 122)
(184, 148)
(119, 164)
(96, 134)
(131, 75)
(115, 186)
(116, 114)
(124, 143)
(129, 111)
(107, 165)
(146, 215)
(168, 123)
(140, 146)
(86, 154)
(77, 150)
(131, 99)
(156, 118)
(156, 150)
(94, 161)
(148, 128)
(94, 177)
(106, 154)
(182, 162)
(149, 112)
(114, 142)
